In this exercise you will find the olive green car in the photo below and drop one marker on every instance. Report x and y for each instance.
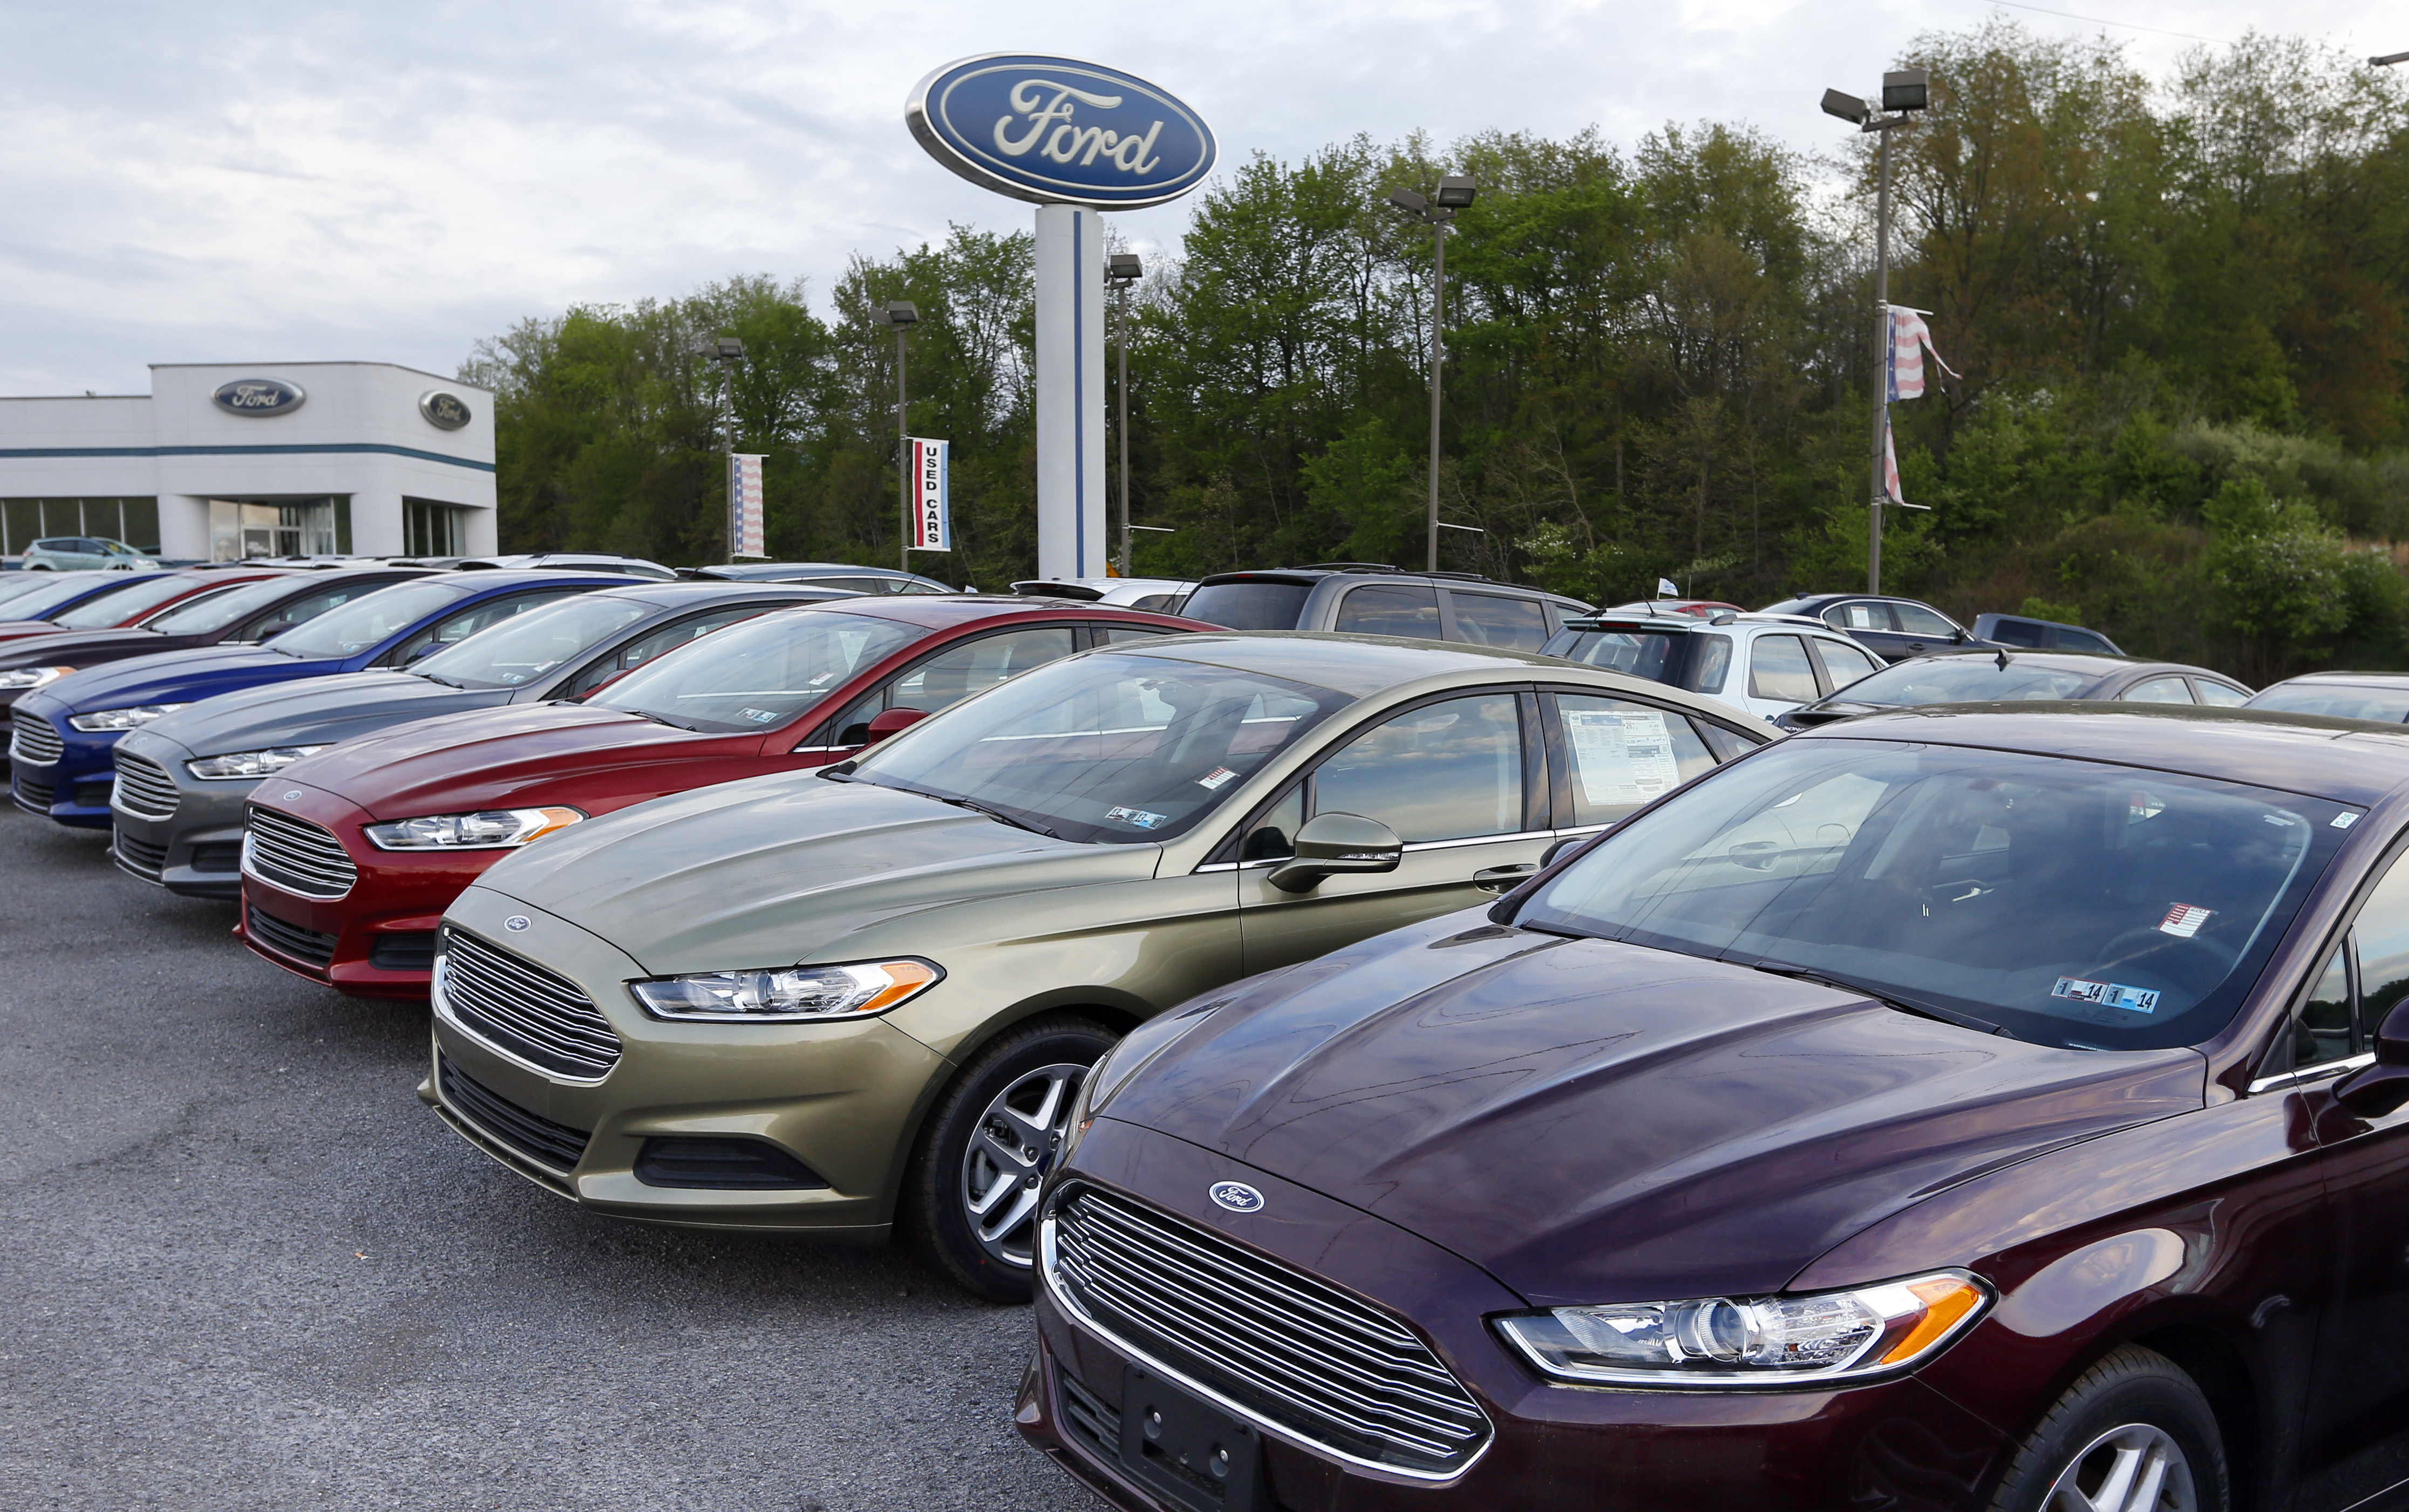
(837, 1000)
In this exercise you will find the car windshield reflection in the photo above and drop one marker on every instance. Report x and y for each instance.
(760, 675)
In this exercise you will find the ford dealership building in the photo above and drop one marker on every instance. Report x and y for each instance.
(220, 462)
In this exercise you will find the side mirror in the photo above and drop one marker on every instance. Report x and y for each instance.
(1334, 844)
(2375, 1091)
(426, 651)
(889, 721)
(1958, 638)
(1548, 856)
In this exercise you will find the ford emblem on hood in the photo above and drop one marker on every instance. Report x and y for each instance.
(1237, 1196)
(517, 923)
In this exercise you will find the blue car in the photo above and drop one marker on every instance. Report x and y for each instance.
(60, 756)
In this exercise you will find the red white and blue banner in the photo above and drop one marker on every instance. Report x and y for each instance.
(745, 504)
(1909, 339)
(933, 513)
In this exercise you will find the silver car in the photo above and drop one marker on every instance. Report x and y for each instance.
(76, 553)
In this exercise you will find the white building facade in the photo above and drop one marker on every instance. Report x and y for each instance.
(222, 461)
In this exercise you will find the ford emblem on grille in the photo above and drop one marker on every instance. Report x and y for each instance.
(516, 923)
(1237, 1196)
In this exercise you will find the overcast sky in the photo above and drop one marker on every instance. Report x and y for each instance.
(185, 182)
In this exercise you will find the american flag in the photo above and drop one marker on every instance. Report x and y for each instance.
(1909, 339)
(1890, 460)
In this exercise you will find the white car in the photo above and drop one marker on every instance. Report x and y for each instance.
(1762, 664)
(1159, 595)
(80, 553)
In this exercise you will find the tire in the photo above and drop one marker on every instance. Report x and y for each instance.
(971, 1199)
(2133, 1415)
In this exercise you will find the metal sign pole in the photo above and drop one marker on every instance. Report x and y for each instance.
(1881, 362)
(902, 456)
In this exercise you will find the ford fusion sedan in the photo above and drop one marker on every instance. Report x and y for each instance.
(31, 609)
(182, 780)
(834, 1002)
(353, 855)
(61, 751)
(2019, 676)
(1942, 1110)
(129, 606)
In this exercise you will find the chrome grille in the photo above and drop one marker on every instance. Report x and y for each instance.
(144, 789)
(529, 1014)
(34, 741)
(1269, 1340)
(296, 855)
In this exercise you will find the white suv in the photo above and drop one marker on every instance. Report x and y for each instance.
(1762, 664)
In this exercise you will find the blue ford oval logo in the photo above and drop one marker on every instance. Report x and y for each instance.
(445, 411)
(1237, 1196)
(258, 397)
(1055, 130)
(518, 923)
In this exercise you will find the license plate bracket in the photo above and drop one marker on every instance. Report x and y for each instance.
(1192, 1451)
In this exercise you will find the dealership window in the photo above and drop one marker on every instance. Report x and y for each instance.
(24, 521)
(242, 529)
(434, 529)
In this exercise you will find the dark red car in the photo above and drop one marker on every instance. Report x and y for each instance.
(351, 857)
(1946, 1110)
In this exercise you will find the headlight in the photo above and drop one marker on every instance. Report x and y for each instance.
(490, 829)
(1752, 1343)
(114, 719)
(32, 677)
(250, 763)
(791, 993)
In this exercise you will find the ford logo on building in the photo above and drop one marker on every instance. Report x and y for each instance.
(258, 397)
(445, 411)
(1055, 130)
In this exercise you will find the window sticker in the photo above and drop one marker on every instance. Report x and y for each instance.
(1622, 758)
(2106, 994)
(1136, 818)
(758, 716)
(2183, 920)
(1211, 781)
(2344, 821)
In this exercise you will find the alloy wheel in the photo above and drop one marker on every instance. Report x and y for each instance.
(1016, 1143)
(2135, 1468)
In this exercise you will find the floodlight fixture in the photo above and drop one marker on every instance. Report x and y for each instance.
(1909, 89)
(900, 312)
(1122, 268)
(1405, 199)
(1455, 193)
(1848, 106)
(728, 349)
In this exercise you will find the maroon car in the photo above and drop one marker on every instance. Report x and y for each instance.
(1943, 1110)
(351, 857)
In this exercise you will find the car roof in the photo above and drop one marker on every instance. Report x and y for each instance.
(2353, 761)
(495, 579)
(1315, 571)
(945, 611)
(1356, 665)
(713, 590)
(1691, 624)
(2366, 679)
(2099, 662)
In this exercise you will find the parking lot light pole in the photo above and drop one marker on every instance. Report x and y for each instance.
(902, 315)
(728, 351)
(2389, 59)
(1455, 193)
(1121, 270)
(1903, 91)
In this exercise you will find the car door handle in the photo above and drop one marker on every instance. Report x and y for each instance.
(1500, 878)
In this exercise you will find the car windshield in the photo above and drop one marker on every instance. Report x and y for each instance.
(57, 589)
(1248, 606)
(1967, 679)
(369, 620)
(2068, 902)
(2390, 705)
(207, 615)
(759, 674)
(529, 645)
(1112, 748)
(16, 585)
(131, 603)
(1648, 653)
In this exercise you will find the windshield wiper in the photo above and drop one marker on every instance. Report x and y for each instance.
(976, 807)
(445, 680)
(1921, 1010)
(662, 719)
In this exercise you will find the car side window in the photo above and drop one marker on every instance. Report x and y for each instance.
(1777, 671)
(645, 647)
(2321, 1030)
(1389, 609)
(2019, 633)
(1121, 635)
(1713, 665)
(1625, 755)
(2159, 690)
(2080, 640)
(1449, 770)
(1858, 617)
(2380, 940)
(1845, 662)
(954, 675)
(2217, 696)
(1915, 619)
(453, 629)
(1273, 835)
(302, 610)
(1490, 619)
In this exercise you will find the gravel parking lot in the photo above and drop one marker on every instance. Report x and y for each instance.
(244, 1268)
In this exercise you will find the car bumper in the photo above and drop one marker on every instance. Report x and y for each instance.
(835, 1098)
(195, 849)
(1898, 1444)
(75, 788)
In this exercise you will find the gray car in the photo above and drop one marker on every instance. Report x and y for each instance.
(182, 780)
(73, 554)
(1374, 598)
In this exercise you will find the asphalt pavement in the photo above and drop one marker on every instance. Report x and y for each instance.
(241, 1267)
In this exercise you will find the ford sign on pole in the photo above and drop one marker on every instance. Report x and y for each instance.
(1057, 131)
(1073, 139)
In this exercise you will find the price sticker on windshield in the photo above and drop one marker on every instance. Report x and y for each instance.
(1211, 781)
(2183, 920)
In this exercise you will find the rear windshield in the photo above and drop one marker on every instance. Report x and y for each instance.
(759, 674)
(55, 591)
(117, 608)
(2068, 902)
(1654, 655)
(209, 616)
(369, 620)
(1249, 606)
(1967, 679)
(529, 645)
(2390, 705)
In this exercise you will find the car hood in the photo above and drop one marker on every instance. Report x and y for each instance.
(785, 868)
(176, 676)
(315, 710)
(83, 648)
(1600, 1122)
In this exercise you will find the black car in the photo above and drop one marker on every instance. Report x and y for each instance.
(1375, 598)
(2380, 695)
(2016, 677)
(1891, 628)
(2041, 635)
